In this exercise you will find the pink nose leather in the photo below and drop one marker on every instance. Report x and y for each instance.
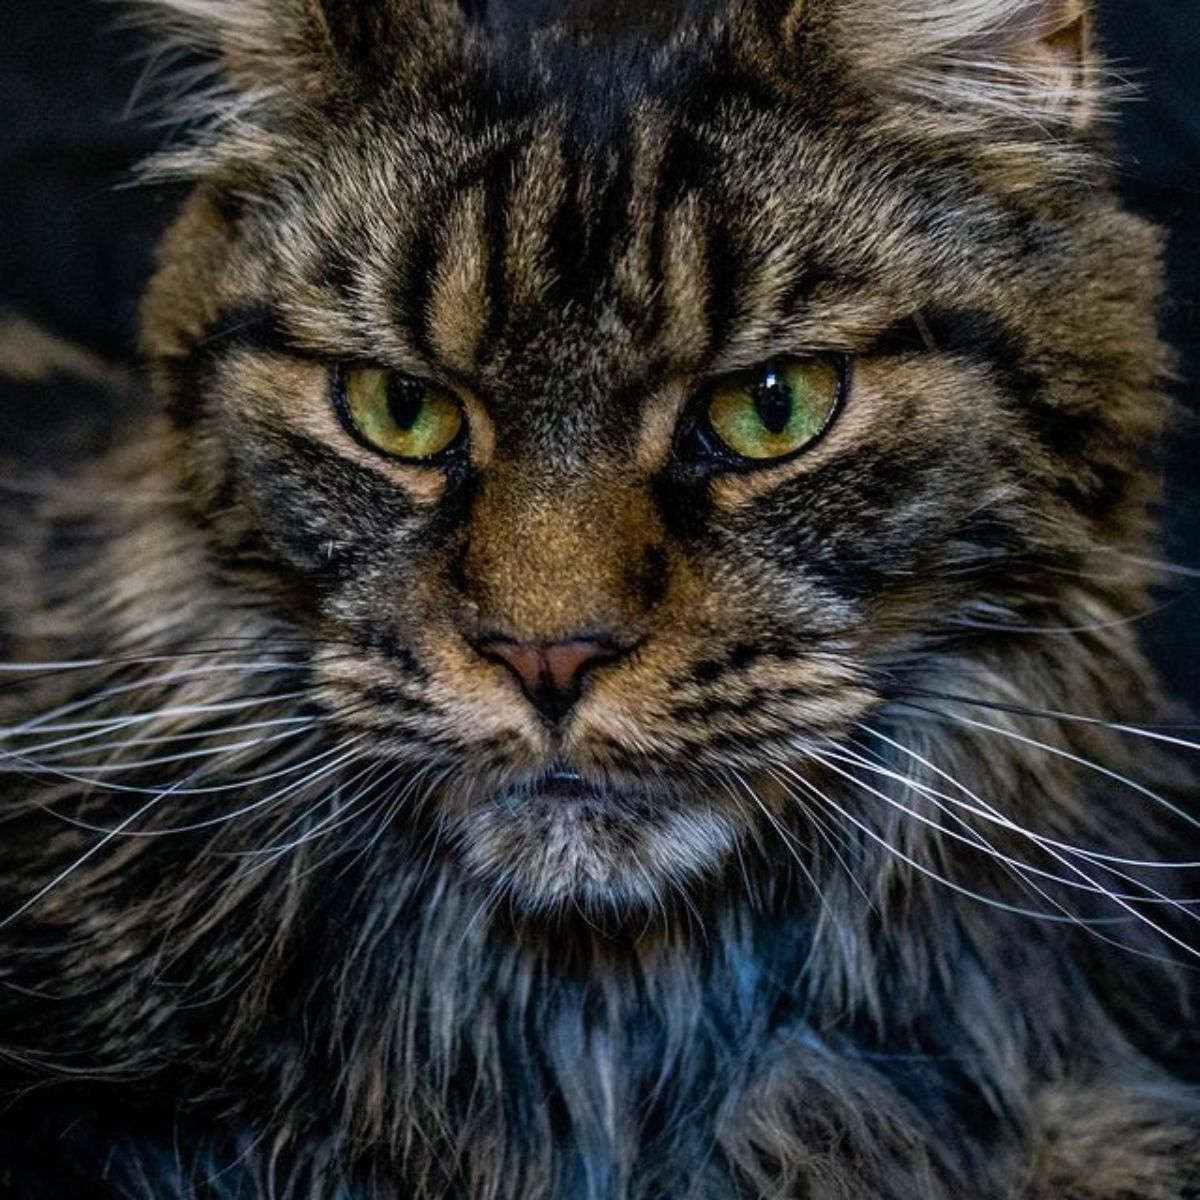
(550, 673)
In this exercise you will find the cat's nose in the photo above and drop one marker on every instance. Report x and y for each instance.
(551, 674)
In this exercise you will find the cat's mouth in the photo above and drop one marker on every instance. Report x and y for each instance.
(565, 777)
(568, 788)
(562, 837)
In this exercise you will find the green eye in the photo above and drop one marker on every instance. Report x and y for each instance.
(399, 415)
(777, 410)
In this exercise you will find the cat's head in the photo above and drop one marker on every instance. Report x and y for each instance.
(628, 403)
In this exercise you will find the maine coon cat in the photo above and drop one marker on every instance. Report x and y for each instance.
(608, 667)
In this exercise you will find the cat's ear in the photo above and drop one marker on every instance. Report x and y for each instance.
(1033, 59)
(264, 62)
(303, 49)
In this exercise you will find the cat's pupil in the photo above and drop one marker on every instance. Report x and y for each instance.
(405, 399)
(773, 402)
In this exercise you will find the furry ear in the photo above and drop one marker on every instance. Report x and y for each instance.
(309, 48)
(1026, 58)
(264, 60)
(1032, 59)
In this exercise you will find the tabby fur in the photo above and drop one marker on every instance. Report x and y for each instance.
(877, 908)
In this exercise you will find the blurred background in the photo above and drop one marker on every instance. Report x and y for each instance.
(76, 238)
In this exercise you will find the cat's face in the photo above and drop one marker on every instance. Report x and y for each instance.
(622, 427)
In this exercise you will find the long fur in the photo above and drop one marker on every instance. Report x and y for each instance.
(887, 894)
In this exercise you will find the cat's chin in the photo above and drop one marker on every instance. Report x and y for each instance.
(557, 843)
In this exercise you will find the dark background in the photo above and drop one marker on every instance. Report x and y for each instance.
(76, 238)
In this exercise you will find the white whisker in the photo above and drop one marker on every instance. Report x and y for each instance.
(342, 813)
(185, 735)
(988, 813)
(919, 867)
(172, 713)
(1150, 732)
(119, 768)
(1059, 752)
(1122, 902)
(214, 789)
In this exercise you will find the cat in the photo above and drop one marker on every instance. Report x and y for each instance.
(606, 665)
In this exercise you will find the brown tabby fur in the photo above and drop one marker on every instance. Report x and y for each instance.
(285, 909)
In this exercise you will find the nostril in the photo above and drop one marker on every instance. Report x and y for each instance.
(551, 673)
(524, 660)
(565, 662)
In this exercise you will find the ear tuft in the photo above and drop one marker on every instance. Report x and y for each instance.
(1069, 64)
(265, 60)
(1031, 59)
(248, 37)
